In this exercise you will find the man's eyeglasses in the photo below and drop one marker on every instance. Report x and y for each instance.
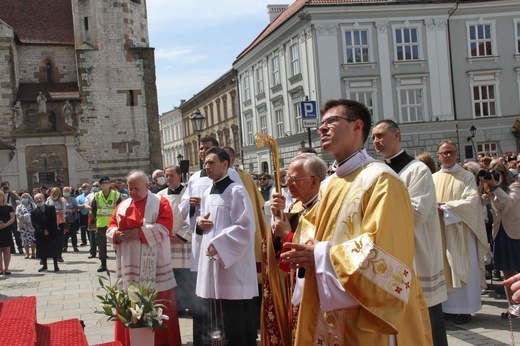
(292, 180)
(330, 121)
(448, 153)
(262, 179)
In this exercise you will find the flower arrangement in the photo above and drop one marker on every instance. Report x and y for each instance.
(135, 307)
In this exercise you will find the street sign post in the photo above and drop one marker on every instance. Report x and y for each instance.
(309, 114)
(309, 117)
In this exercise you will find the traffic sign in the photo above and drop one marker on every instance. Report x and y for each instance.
(309, 114)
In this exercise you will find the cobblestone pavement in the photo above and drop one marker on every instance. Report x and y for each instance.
(71, 293)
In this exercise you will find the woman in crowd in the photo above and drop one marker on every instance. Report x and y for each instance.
(504, 196)
(58, 202)
(25, 227)
(71, 220)
(7, 218)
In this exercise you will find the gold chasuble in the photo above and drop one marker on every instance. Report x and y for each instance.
(367, 217)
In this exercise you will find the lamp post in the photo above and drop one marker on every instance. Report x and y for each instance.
(473, 131)
(197, 121)
(302, 143)
(179, 158)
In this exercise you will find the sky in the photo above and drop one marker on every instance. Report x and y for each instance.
(197, 41)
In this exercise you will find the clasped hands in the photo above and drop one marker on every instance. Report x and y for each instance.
(129, 234)
(299, 255)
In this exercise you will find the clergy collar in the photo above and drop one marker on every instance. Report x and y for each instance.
(399, 161)
(176, 191)
(455, 168)
(220, 186)
(389, 160)
(310, 202)
(352, 162)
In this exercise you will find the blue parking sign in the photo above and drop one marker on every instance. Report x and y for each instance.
(309, 114)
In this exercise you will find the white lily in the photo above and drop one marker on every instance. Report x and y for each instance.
(158, 315)
(136, 313)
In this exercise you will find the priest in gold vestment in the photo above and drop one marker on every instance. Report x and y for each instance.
(463, 235)
(360, 287)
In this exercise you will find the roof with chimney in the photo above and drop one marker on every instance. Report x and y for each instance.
(39, 21)
(297, 6)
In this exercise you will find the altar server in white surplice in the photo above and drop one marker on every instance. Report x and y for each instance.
(227, 270)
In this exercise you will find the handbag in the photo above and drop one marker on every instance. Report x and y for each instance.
(70, 218)
(91, 225)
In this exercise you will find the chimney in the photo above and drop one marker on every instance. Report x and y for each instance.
(275, 10)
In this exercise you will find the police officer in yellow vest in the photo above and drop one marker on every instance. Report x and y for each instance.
(103, 206)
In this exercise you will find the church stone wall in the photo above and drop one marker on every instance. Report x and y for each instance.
(114, 121)
(32, 60)
(7, 81)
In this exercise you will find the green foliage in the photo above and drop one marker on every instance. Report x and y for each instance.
(135, 307)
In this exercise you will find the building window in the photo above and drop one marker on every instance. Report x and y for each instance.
(131, 98)
(280, 128)
(411, 105)
(406, 44)
(363, 90)
(259, 80)
(48, 72)
(85, 23)
(247, 90)
(275, 64)
(517, 36)
(263, 122)
(480, 40)
(249, 127)
(298, 116)
(484, 88)
(295, 59)
(484, 101)
(364, 97)
(489, 148)
(356, 46)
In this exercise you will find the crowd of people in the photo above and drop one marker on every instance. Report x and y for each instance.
(365, 251)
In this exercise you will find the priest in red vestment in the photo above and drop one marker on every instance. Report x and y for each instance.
(140, 232)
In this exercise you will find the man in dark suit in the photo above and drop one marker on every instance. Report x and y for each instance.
(44, 222)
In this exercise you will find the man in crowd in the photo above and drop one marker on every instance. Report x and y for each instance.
(190, 210)
(43, 219)
(360, 287)
(103, 206)
(417, 177)
(265, 186)
(13, 199)
(305, 173)
(140, 231)
(159, 182)
(83, 212)
(180, 240)
(227, 270)
(463, 235)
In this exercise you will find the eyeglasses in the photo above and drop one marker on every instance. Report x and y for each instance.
(292, 180)
(448, 153)
(330, 121)
(262, 179)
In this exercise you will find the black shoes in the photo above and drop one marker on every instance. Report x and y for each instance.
(462, 318)
(42, 269)
(76, 249)
(60, 260)
(102, 269)
(92, 256)
(56, 269)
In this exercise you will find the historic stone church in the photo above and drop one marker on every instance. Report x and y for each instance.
(78, 98)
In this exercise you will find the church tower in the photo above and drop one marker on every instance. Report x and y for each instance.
(118, 120)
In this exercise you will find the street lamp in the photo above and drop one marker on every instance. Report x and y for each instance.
(197, 121)
(302, 143)
(473, 131)
(179, 158)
